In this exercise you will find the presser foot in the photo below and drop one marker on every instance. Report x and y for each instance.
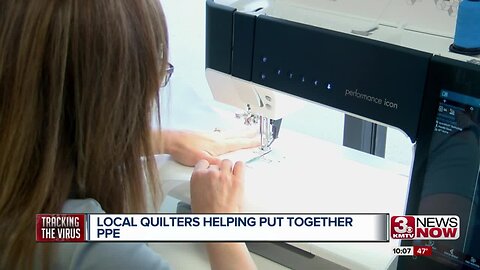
(272, 157)
(259, 153)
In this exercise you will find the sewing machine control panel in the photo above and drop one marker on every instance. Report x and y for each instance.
(379, 81)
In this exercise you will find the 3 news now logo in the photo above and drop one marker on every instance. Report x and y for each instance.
(425, 227)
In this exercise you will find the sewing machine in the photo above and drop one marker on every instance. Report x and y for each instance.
(267, 57)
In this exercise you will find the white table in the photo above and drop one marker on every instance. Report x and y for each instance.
(308, 175)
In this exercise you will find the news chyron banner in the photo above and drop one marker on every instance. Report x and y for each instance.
(212, 227)
(243, 227)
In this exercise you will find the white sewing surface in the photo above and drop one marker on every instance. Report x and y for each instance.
(307, 175)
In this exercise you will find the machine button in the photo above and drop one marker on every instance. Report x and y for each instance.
(264, 59)
(263, 76)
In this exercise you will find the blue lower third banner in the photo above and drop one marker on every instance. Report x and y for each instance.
(238, 227)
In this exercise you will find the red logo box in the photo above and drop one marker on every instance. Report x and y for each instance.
(60, 227)
(402, 227)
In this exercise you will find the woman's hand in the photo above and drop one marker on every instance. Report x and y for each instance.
(188, 147)
(217, 188)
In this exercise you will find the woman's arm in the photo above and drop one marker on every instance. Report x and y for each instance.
(219, 189)
(216, 186)
(188, 147)
(229, 256)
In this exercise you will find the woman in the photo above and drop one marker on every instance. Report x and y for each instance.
(78, 79)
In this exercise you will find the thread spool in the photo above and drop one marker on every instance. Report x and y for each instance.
(467, 32)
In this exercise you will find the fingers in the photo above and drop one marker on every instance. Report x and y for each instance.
(213, 168)
(217, 189)
(202, 164)
(239, 170)
(214, 161)
(226, 165)
(208, 157)
(223, 165)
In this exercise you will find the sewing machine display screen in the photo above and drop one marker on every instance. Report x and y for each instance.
(451, 178)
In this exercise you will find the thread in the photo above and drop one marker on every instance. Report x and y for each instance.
(467, 32)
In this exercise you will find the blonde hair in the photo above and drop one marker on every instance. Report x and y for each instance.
(78, 79)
